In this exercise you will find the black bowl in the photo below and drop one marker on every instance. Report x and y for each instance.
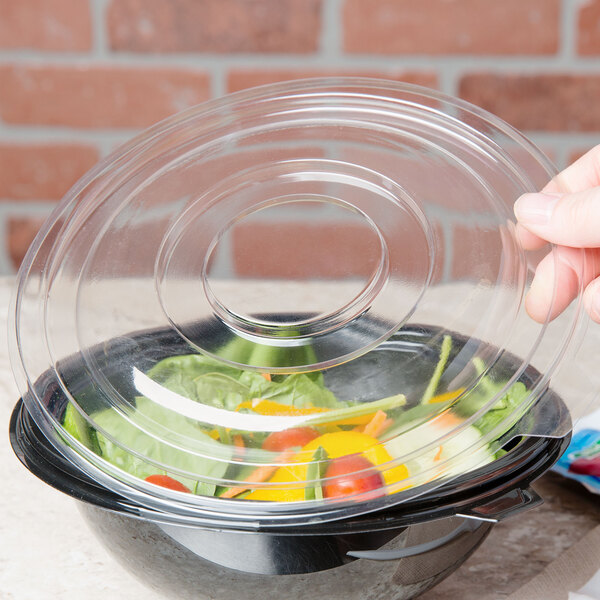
(393, 553)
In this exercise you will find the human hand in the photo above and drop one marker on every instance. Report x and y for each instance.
(565, 213)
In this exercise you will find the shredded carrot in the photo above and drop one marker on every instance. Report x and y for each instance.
(438, 456)
(374, 425)
(267, 376)
(447, 421)
(259, 475)
(238, 441)
(387, 423)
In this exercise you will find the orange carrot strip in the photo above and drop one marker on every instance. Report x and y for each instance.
(438, 456)
(259, 475)
(238, 441)
(448, 420)
(267, 376)
(384, 426)
(374, 425)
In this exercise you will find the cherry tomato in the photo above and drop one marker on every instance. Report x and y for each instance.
(278, 441)
(167, 482)
(352, 475)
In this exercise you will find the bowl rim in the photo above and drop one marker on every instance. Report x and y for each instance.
(517, 469)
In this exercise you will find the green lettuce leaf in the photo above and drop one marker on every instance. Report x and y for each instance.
(142, 446)
(509, 403)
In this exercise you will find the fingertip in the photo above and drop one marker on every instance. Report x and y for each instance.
(529, 240)
(591, 300)
(535, 309)
(539, 298)
(546, 300)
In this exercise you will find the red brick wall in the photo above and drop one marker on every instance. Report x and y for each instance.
(78, 77)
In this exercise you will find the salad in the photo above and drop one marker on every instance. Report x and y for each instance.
(288, 438)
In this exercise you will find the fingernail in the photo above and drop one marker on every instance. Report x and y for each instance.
(536, 209)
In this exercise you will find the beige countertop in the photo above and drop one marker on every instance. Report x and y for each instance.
(47, 551)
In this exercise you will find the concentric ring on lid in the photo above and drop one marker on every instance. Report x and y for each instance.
(385, 299)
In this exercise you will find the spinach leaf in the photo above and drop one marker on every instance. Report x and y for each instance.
(211, 382)
(300, 391)
(190, 366)
(219, 390)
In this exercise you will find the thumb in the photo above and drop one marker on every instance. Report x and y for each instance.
(564, 219)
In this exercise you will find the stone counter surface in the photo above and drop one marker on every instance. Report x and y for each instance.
(47, 551)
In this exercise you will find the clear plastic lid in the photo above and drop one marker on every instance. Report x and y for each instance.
(302, 300)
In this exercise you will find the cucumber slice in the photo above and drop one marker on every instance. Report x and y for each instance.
(78, 427)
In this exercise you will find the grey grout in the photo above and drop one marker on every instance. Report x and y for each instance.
(449, 77)
(218, 82)
(331, 39)
(109, 139)
(105, 147)
(6, 266)
(563, 144)
(31, 133)
(31, 207)
(566, 44)
(98, 10)
(568, 29)
(514, 63)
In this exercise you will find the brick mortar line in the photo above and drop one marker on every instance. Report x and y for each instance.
(28, 134)
(218, 82)
(105, 147)
(399, 62)
(448, 81)
(567, 29)
(563, 146)
(330, 43)
(98, 10)
(561, 156)
(6, 266)
(43, 208)
(27, 208)
(568, 138)
(446, 218)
